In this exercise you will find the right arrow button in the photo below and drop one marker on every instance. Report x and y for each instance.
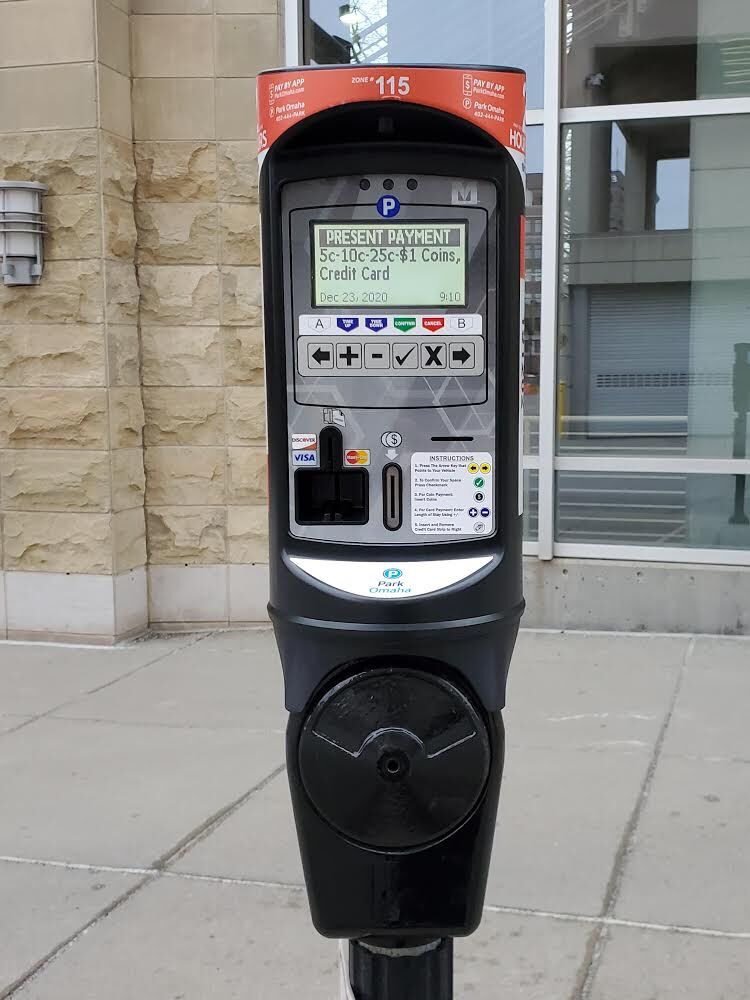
(461, 355)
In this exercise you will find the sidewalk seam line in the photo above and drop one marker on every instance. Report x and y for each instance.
(618, 633)
(518, 911)
(68, 942)
(213, 822)
(264, 626)
(151, 874)
(85, 694)
(596, 945)
(643, 925)
(135, 723)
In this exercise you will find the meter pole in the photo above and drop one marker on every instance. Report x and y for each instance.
(392, 969)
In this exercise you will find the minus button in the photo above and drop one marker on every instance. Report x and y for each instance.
(377, 355)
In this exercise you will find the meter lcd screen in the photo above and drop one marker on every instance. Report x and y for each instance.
(389, 263)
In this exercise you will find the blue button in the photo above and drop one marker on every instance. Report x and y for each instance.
(376, 322)
(473, 512)
(347, 323)
(485, 511)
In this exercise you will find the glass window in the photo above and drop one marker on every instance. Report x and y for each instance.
(630, 508)
(484, 32)
(633, 51)
(672, 179)
(530, 505)
(532, 325)
(654, 318)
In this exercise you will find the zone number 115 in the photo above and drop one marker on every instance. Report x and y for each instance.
(392, 86)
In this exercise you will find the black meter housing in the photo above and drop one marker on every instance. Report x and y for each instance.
(392, 239)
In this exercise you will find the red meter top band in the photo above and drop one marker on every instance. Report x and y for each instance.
(493, 100)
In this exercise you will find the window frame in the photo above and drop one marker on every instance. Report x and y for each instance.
(553, 116)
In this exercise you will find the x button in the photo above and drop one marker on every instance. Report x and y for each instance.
(433, 355)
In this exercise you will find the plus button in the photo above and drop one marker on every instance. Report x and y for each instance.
(351, 357)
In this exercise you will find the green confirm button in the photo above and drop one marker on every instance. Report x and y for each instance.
(479, 482)
(404, 323)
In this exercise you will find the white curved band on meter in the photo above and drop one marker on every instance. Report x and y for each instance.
(384, 581)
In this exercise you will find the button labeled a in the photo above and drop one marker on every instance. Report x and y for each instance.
(319, 324)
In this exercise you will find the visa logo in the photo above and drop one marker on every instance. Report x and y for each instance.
(305, 458)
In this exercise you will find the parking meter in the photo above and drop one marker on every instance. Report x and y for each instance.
(392, 202)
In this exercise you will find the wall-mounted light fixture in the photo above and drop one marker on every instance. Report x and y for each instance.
(350, 14)
(21, 232)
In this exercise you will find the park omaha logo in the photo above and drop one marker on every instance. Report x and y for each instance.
(391, 584)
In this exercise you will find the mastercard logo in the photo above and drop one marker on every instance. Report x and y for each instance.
(357, 457)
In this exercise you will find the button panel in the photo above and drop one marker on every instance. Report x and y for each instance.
(408, 344)
(379, 358)
(374, 325)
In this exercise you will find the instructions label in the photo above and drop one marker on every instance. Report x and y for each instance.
(452, 493)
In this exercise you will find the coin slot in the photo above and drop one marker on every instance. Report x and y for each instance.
(392, 497)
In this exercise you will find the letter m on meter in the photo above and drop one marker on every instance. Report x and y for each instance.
(465, 193)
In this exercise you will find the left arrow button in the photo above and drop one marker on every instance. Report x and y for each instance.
(320, 355)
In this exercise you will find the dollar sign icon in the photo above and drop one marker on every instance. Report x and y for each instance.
(391, 439)
(404, 255)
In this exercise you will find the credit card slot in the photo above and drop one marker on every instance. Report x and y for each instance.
(332, 494)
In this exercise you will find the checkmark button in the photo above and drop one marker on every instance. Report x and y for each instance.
(405, 355)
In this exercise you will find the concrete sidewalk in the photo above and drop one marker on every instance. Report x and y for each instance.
(148, 849)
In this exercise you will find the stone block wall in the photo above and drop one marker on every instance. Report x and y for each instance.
(72, 481)
(132, 410)
(198, 260)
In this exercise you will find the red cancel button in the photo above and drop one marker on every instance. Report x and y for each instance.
(433, 322)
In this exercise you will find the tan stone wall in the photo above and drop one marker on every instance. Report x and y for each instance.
(131, 379)
(194, 67)
(71, 467)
